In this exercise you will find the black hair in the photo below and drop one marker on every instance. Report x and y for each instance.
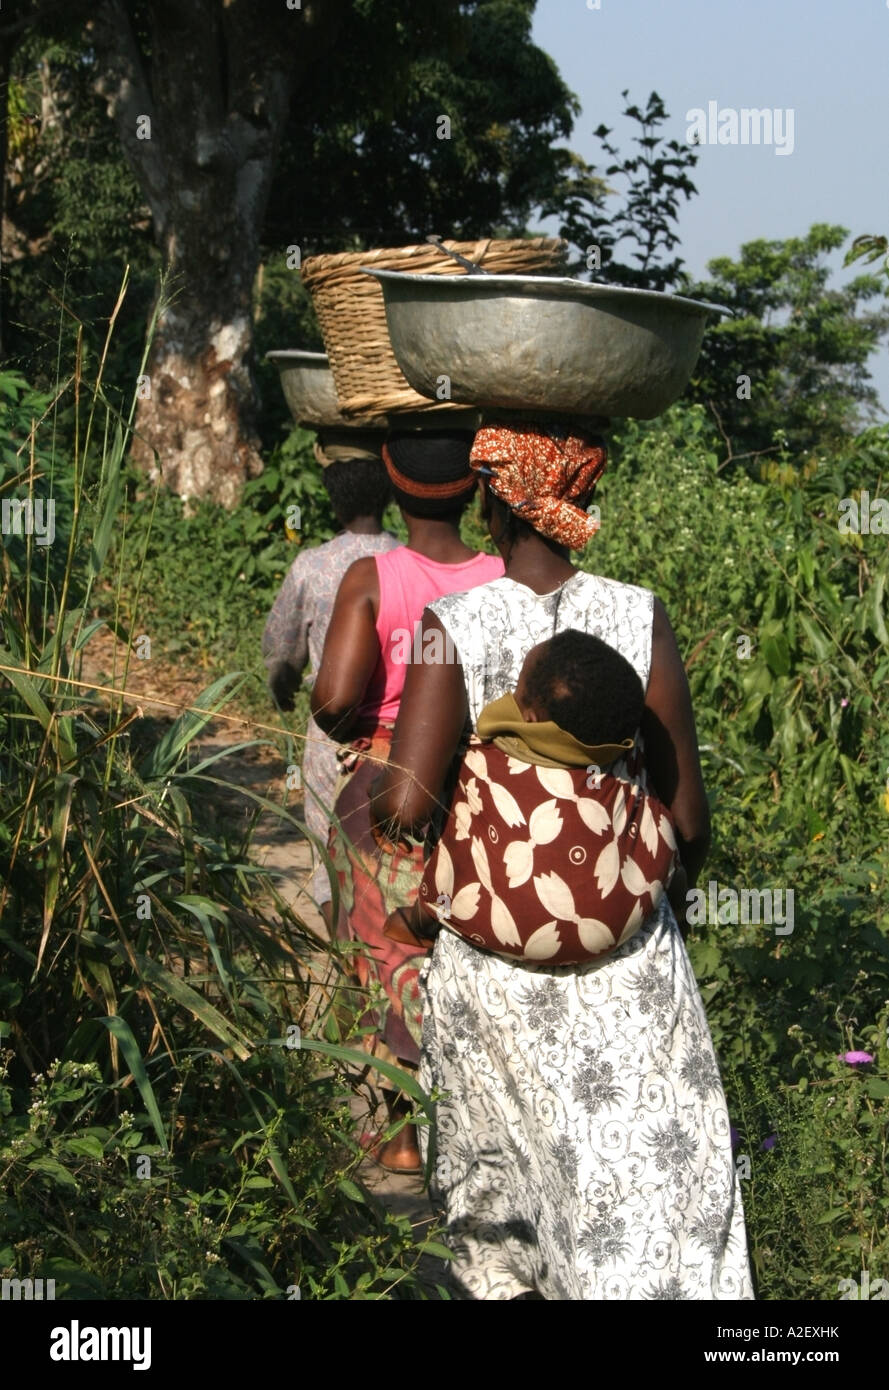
(432, 508)
(587, 688)
(433, 458)
(510, 527)
(357, 487)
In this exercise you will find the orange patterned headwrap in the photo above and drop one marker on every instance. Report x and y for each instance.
(538, 471)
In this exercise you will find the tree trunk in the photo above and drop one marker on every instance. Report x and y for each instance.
(200, 123)
(196, 408)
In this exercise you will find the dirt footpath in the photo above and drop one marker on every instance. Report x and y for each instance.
(162, 691)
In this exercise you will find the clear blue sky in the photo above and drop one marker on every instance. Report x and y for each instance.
(827, 60)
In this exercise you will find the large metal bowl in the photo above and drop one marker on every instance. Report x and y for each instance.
(537, 342)
(307, 382)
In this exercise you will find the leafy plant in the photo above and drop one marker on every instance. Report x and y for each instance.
(869, 248)
(782, 621)
(653, 180)
(178, 1072)
(793, 357)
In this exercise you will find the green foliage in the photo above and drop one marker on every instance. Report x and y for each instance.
(369, 156)
(75, 216)
(795, 748)
(34, 479)
(91, 1199)
(74, 179)
(206, 577)
(162, 1135)
(653, 181)
(816, 1200)
(869, 248)
(803, 346)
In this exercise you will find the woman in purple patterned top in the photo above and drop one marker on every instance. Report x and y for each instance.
(297, 624)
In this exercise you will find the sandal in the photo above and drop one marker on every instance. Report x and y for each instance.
(374, 1145)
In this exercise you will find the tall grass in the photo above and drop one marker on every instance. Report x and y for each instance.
(176, 1073)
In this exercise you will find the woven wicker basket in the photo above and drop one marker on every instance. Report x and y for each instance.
(350, 311)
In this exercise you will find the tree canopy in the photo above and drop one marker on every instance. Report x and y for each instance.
(793, 356)
(211, 138)
(241, 131)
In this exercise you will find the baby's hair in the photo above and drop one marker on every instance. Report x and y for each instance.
(587, 688)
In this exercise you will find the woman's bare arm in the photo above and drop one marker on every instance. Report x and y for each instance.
(351, 650)
(431, 719)
(671, 745)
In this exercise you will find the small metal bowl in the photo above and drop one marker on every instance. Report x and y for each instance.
(307, 382)
(538, 342)
(309, 390)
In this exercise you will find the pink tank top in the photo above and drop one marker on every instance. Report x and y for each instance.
(408, 584)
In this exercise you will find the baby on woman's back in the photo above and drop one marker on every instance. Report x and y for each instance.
(554, 850)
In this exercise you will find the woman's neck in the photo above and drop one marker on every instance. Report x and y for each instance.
(364, 526)
(539, 564)
(437, 540)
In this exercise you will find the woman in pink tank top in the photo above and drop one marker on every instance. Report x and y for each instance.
(372, 639)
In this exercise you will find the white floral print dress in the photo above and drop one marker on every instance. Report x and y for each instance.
(584, 1144)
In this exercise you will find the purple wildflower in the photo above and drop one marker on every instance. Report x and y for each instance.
(852, 1059)
(770, 1142)
(844, 702)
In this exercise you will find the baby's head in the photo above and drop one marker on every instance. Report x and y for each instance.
(583, 685)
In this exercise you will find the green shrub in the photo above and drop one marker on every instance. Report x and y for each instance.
(795, 748)
(162, 1137)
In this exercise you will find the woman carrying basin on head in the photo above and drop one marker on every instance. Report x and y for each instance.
(583, 1141)
(356, 698)
(358, 487)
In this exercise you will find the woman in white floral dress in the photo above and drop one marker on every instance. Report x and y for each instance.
(583, 1145)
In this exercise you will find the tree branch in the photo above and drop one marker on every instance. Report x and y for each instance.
(124, 85)
(732, 457)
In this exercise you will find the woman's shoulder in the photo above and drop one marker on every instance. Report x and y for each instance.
(600, 583)
(506, 593)
(625, 612)
(341, 551)
(359, 543)
(470, 602)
